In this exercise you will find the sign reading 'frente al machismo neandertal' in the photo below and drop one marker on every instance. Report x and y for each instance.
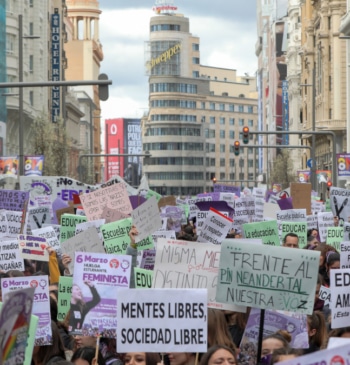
(279, 278)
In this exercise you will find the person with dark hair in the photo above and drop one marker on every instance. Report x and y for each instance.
(219, 355)
(141, 358)
(317, 331)
(343, 332)
(47, 355)
(332, 262)
(291, 240)
(275, 341)
(87, 356)
(79, 308)
(237, 322)
(283, 354)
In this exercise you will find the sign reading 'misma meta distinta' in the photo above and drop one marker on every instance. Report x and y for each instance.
(278, 278)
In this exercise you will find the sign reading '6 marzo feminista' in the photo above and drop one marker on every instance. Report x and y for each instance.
(278, 278)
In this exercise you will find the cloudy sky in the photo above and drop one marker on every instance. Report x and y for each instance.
(227, 31)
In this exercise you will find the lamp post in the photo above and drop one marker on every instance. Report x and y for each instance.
(20, 93)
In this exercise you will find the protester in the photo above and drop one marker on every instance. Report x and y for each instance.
(275, 341)
(141, 358)
(87, 356)
(284, 354)
(236, 324)
(291, 240)
(218, 333)
(332, 262)
(317, 332)
(180, 358)
(219, 355)
(343, 332)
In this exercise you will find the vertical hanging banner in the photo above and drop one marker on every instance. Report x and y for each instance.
(33, 165)
(278, 278)
(55, 66)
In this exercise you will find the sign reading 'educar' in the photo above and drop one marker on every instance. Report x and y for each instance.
(280, 278)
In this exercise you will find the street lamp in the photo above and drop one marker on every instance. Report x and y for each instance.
(20, 93)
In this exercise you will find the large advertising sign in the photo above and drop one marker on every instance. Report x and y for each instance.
(55, 66)
(285, 111)
(123, 136)
(343, 164)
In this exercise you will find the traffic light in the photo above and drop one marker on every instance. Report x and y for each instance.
(329, 184)
(237, 146)
(214, 180)
(103, 89)
(245, 135)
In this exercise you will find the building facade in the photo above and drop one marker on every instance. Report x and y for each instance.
(196, 113)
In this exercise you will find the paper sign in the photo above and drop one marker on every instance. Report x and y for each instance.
(346, 231)
(148, 258)
(33, 248)
(325, 220)
(335, 235)
(114, 196)
(340, 294)
(345, 255)
(325, 295)
(68, 224)
(172, 319)
(64, 295)
(13, 199)
(187, 264)
(80, 227)
(339, 199)
(112, 215)
(50, 236)
(38, 216)
(266, 231)
(301, 195)
(10, 256)
(41, 306)
(116, 236)
(278, 278)
(146, 218)
(143, 278)
(298, 228)
(93, 308)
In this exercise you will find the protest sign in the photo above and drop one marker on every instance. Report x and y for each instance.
(266, 231)
(50, 236)
(151, 193)
(143, 278)
(301, 195)
(339, 200)
(146, 218)
(148, 258)
(111, 215)
(13, 199)
(311, 221)
(259, 193)
(215, 227)
(68, 224)
(335, 235)
(172, 319)
(325, 295)
(293, 323)
(93, 305)
(259, 210)
(223, 188)
(325, 220)
(346, 227)
(290, 215)
(345, 255)
(317, 206)
(114, 196)
(80, 227)
(166, 200)
(33, 248)
(245, 207)
(15, 318)
(64, 295)
(87, 241)
(38, 216)
(3, 224)
(116, 236)
(41, 305)
(298, 228)
(34, 320)
(117, 180)
(10, 256)
(340, 294)
(270, 210)
(171, 235)
(278, 278)
(187, 264)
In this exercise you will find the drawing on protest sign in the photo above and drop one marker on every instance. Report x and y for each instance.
(10, 256)
(325, 220)
(173, 319)
(13, 199)
(15, 318)
(41, 305)
(38, 216)
(68, 224)
(335, 235)
(339, 200)
(50, 236)
(186, 264)
(143, 278)
(33, 248)
(215, 227)
(64, 295)
(278, 278)
(114, 196)
(266, 231)
(345, 255)
(146, 218)
(87, 241)
(93, 305)
(325, 295)
(298, 228)
(340, 294)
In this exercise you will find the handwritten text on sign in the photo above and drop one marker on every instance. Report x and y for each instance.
(281, 278)
(175, 319)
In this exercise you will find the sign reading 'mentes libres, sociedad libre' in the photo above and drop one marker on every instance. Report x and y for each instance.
(165, 56)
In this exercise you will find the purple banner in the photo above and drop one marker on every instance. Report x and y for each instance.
(218, 188)
(13, 199)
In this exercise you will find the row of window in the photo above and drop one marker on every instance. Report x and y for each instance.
(165, 27)
(173, 132)
(188, 104)
(181, 175)
(232, 176)
(173, 146)
(173, 117)
(173, 87)
(192, 161)
(210, 147)
(222, 162)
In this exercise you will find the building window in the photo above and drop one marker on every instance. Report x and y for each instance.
(206, 133)
(330, 113)
(162, 27)
(222, 133)
(195, 60)
(232, 176)
(250, 122)
(203, 105)
(222, 162)
(250, 109)
(250, 176)
(232, 134)
(31, 98)
(31, 28)
(195, 47)
(232, 121)
(211, 133)
(240, 108)
(212, 162)
(241, 122)
(195, 74)
(241, 176)
(222, 120)
(31, 63)
(212, 120)
(222, 148)
(231, 108)
(250, 163)
(250, 150)
(31, 3)
(222, 107)
(330, 83)
(212, 106)
(232, 162)
(222, 176)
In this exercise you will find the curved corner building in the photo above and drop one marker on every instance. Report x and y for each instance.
(190, 128)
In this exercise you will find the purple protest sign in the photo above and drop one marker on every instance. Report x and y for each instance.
(13, 199)
(285, 203)
(219, 188)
